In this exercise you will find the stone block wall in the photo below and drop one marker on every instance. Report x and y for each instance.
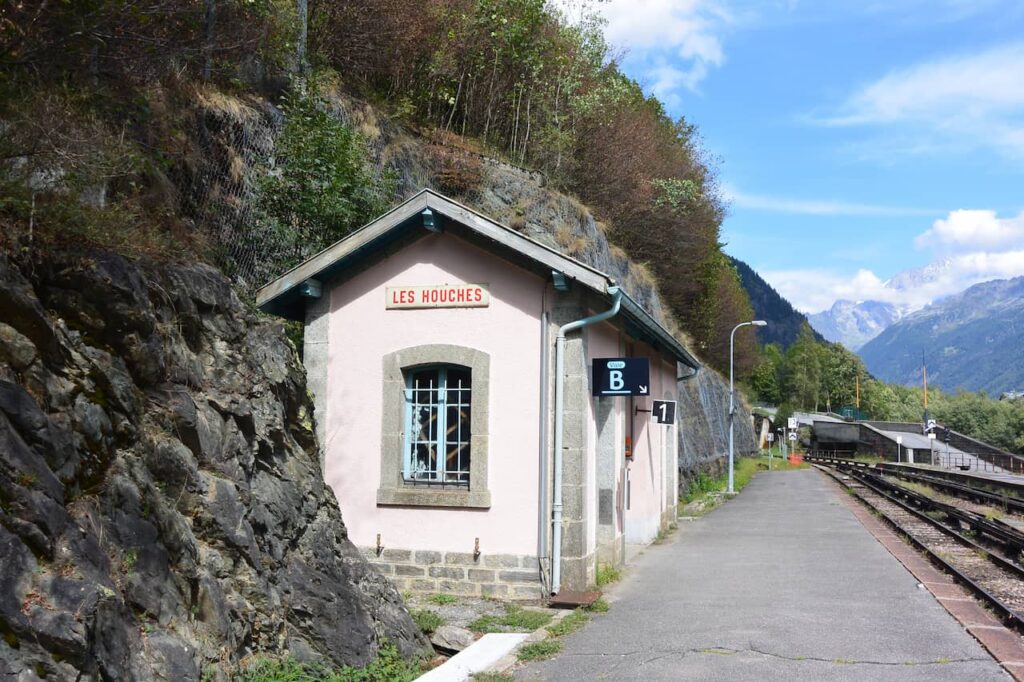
(503, 576)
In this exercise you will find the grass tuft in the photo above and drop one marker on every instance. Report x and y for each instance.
(442, 599)
(516, 619)
(606, 574)
(571, 623)
(538, 651)
(599, 606)
(427, 620)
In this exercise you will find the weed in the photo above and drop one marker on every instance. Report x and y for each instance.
(492, 677)
(26, 479)
(538, 651)
(718, 651)
(599, 606)
(606, 574)
(389, 666)
(516, 619)
(442, 599)
(942, 660)
(129, 560)
(571, 623)
(427, 620)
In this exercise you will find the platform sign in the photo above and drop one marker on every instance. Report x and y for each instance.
(792, 435)
(771, 437)
(664, 411)
(899, 440)
(621, 376)
(792, 423)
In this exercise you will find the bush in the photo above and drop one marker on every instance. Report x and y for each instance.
(321, 185)
(426, 620)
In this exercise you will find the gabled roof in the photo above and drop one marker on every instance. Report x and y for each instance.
(405, 223)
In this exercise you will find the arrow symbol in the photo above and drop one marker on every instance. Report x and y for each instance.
(643, 389)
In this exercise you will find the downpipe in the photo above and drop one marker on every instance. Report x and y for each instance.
(556, 507)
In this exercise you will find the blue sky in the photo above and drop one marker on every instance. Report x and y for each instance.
(855, 139)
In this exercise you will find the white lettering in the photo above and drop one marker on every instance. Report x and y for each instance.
(615, 381)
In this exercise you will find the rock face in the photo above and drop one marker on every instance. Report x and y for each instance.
(162, 509)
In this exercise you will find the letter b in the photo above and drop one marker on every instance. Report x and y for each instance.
(615, 382)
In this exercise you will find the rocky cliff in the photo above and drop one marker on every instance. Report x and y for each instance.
(162, 509)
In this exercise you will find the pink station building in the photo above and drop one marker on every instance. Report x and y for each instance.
(462, 437)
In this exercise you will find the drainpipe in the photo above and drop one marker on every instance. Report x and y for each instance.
(556, 539)
(542, 512)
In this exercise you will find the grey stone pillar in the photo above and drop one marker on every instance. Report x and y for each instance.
(578, 566)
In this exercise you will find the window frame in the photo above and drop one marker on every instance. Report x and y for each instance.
(440, 441)
(394, 490)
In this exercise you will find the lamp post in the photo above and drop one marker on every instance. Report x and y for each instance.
(732, 392)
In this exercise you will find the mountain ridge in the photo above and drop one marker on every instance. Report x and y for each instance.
(970, 340)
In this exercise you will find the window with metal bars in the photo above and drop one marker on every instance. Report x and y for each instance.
(437, 436)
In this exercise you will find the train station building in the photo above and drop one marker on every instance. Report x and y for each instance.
(457, 427)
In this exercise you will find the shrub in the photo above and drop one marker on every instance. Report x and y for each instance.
(389, 666)
(427, 620)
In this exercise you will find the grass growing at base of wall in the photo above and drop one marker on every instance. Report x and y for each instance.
(389, 666)
(516, 619)
(606, 573)
(704, 487)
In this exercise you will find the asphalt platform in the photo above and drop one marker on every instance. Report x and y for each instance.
(780, 583)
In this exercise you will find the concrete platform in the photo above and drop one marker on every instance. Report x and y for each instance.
(781, 583)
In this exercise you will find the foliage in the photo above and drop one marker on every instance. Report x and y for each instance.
(389, 666)
(427, 620)
(599, 606)
(144, 40)
(538, 651)
(442, 599)
(322, 185)
(547, 91)
(784, 321)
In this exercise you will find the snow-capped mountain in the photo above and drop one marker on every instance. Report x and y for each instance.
(855, 323)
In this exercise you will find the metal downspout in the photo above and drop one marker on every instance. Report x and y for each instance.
(542, 511)
(556, 507)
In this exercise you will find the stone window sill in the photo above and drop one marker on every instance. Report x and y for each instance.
(426, 497)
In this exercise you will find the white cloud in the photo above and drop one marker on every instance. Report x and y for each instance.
(977, 229)
(816, 206)
(673, 44)
(967, 101)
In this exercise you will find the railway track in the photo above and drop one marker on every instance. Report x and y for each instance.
(955, 540)
(968, 492)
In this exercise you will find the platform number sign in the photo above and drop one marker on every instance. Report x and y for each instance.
(771, 437)
(621, 376)
(664, 411)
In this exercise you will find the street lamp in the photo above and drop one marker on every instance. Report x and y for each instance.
(732, 392)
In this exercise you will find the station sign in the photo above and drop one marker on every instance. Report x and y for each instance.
(621, 376)
(664, 411)
(437, 296)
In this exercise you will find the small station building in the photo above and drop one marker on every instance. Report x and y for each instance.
(471, 449)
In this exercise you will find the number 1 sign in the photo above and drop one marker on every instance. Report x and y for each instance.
(664, 411)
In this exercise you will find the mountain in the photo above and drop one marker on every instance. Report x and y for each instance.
(784, 321)
(854, 324)
(970, 340)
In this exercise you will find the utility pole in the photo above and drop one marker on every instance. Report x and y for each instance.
(732, 394)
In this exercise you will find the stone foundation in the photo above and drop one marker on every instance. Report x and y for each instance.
(503, 576)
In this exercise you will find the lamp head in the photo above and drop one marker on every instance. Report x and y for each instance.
(759, 323)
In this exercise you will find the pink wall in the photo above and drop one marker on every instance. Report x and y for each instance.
(362, 332)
